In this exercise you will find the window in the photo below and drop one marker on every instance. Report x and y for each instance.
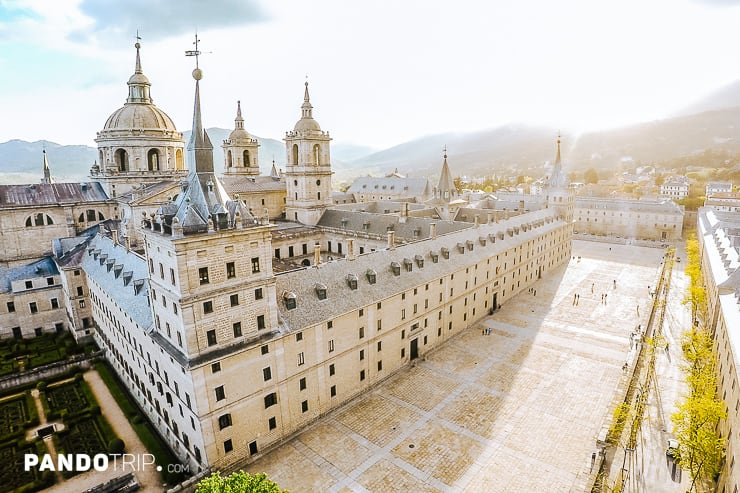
(331, 345)
(333, 390)
(79, 291)
(220, 393)
(230, 270)
(234, 299)
(299, 337)
(216, 367)
(228, 447)
(362, 312)
(380, 365)
(11, 307)
(172, 276)
(362, 375)
(224, 421)
(77, 272)
(237, 329)
(270, 400)
(49, 281)
(260, 322)
(304, 406)
(207, 307)
(272, 423)
(302, 383)
(34, 308)
(258, 294)
(331, 369)
(265, 349)
(301, 359)
(161, 270)
(403, 353)
(203, 275)
(266, 373)
(329, 324)
(179, 339)
(255, 265)
(362, 332)
(380, 324)
(380, 345)
(211, 336)
(29, 284)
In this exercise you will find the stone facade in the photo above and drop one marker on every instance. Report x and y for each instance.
(720, 261)
(639, 219)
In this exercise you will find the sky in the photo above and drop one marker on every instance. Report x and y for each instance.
(380, 73)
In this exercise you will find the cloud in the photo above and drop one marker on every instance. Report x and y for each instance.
(719, 3)
(158, 19)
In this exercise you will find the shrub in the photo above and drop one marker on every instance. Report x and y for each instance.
(41, 385)
(116, 446)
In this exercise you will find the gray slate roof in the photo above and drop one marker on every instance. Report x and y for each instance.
(251, 184)
(41, 268)
(49, 194)
(663, 206)
(391, 185)
(124, 295)
(378, 224)
(341, 299)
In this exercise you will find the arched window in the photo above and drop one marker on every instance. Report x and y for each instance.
(152, 158)
(38, 219)
(295, 154)
(228, 159)
(245, 156)
(122, 160)
(316, 154)
(180, 163)
(91, 215)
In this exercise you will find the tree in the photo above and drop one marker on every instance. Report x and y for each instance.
(590, 176)
(659, 179)
(238, 482)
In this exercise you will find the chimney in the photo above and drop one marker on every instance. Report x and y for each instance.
(477, 220)
(521, 206)
(114, 232)
(489, 217)
(316, 254)
(433, 230)
(128, 244)
(391, 240)
(351, 249)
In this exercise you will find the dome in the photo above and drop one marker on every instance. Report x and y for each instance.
(138, 78)
(307, 124)
(134, 116)
(239, 134)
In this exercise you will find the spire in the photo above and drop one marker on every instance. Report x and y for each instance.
(445, 179)
(138, 84)
(200, 149)
(557, 157)
(306, 108)
(47, 172)
(239, 121)
(558, 179)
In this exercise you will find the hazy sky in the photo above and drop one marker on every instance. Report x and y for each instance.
(380, 72)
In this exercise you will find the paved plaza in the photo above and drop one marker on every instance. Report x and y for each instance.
(517, 410)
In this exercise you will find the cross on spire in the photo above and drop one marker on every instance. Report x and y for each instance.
(444, 149)
(138, 38)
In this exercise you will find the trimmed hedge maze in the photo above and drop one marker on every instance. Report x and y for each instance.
(13, 477)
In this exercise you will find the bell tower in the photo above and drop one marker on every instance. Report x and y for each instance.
(240, 149)
(308, 168)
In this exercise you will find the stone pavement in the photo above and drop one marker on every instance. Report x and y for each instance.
(517, 410)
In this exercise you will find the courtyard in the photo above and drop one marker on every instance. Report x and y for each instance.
(514, 408)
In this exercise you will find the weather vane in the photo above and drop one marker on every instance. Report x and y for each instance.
(138, 38)
(194, 52)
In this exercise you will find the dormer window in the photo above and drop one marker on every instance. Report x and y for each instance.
(371, 276)
(352, 281)
(396, 268)
(419, 260)
(492, 237)
(138, 286)
(127, 277)
(366, 225)
(435, 256)
(408, 264)
(290, 300)
(417, 232)
(320, 290)
(102, 258)
(482, 240)
(461, 248)
(500, 235)
(469, 244)
(445, 252)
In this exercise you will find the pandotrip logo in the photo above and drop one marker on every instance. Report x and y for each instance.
(97, 462)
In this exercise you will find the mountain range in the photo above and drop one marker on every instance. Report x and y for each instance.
(709, 124)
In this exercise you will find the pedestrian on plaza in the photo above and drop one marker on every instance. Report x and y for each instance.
(615, 284)
(638, 309)
(574, 298)
(578, 299)
(592, 288)
(605, 298)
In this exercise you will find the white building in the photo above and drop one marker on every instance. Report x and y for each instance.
(675, 187)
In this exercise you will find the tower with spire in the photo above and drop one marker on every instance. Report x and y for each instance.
(308, 168)
(560, 197)
(240, 149)
(445, 193)
(139, 142)
(207, 256)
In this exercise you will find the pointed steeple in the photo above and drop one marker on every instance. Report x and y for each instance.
(138, 84)
(557, 157)
(446, 184)
(558, 179)
(47, 172)
(200, 149)
(306, 108)
(273, 172)
(239, 121)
